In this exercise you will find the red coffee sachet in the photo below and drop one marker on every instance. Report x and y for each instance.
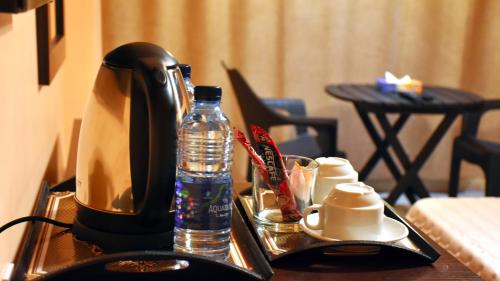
(276, 174)
(240, 136)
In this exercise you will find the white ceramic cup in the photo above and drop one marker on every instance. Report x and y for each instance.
(331, 171)
(352, 211)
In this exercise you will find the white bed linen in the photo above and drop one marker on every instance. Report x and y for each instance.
(469, 228)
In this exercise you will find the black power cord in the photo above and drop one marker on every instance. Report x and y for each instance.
(35, 219)
(66, 185)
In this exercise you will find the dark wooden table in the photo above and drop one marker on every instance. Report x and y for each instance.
(435, 100)
(51, 248)
(445, 268)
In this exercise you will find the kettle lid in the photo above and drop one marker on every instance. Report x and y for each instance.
(128, 55)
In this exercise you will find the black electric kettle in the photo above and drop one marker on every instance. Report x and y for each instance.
(126, 163)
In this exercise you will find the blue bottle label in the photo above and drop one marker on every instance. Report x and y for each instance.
(203, 204)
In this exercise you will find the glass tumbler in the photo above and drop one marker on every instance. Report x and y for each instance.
(301, 173)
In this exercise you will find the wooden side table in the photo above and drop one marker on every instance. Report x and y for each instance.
(48, 248)
(435, 100)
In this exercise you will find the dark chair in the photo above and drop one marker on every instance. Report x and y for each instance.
(484, 153)
(265, 113)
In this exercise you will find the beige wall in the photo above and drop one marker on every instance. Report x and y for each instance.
(36, 121)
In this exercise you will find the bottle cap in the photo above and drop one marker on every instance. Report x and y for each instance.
(185, 70)
(207, 93)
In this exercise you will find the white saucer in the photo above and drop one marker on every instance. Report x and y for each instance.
(392, 230)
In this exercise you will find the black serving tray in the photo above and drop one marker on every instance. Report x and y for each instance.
(279, 246)
(52, 253)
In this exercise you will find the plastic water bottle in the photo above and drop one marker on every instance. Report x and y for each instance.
(204, 184)
(186, 74)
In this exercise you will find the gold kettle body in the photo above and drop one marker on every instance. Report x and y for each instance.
(125, 178)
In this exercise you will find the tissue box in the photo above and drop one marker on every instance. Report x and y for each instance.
(386, 87)
(413, 87)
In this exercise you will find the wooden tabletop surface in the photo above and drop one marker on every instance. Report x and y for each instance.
(433, 99)
(445, 268)
(303, 268)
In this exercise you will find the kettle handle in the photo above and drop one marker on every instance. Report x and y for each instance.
(153, 143)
